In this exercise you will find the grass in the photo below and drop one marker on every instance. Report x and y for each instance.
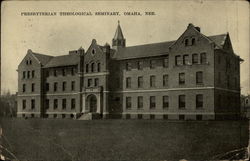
(41, 139)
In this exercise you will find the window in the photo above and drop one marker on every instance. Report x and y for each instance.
(219, 59)
(199, 77)
(64, 86)
(152, 81)
(55, 72)
(47, 103)
(181, 117)
(165, 102)
(203, 58)
(24, 87)
(92, 67)
(165, 117)
(30, 62)
(32, 104)
(24, 74)
(47, 73)
(24, 104)
(32, 87)
(87, 68)
(128, 66)
(193, 41)
(47, 87)
(63, 72)
(63, 115)
(128, 82)
(181, 78)
(152, 102)
(228, 81)
(96, 82)
(178, 60)
(152, 116)
(55, 115)
(55, 103)
(140, 102)
(27, 62)
(128, 116)
(73, 85)
(165, 80)
(198, 117)
(185, 60)
(186, 42)
(89, 82)
(64, 103)
(195, 59)
(219, 78)
(128, 102)
(219, 101)
(72, 71)
(140, 63)
(166, 62)
(140, 82)
(73, 103)
(182, 101)
(33, 74)
(55, 86)
(99, 67)
(28, 74)
(139, 116)
(152, 64)
(199, 101)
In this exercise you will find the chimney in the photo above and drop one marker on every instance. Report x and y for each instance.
(198, 28)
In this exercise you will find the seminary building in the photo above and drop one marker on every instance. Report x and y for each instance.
(195, 77)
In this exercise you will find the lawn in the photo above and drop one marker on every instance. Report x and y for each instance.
(48, 139)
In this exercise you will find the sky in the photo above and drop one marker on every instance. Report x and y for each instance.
(56, 35)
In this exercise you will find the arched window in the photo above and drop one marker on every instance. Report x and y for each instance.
(99, 67)
(186, 42)
(92, 67)
(87, 68)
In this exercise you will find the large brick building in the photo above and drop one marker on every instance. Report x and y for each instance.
(193, 77)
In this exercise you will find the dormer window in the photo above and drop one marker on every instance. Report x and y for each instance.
(30, 62)
(27, 62)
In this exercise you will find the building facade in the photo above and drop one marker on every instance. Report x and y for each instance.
(195, 77)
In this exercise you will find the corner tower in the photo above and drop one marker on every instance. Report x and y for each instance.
(118, 40)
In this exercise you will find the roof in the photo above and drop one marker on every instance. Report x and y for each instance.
(218, 39)
(146, 50)
(43, 59)
(157, 49)
(118, 33)
(64, 60)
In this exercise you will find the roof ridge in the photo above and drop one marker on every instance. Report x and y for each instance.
(162, 42)
(41, 54)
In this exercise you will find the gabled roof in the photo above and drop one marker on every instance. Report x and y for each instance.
(43, 59)
(157, 49)
(118, 33)
(64, 60)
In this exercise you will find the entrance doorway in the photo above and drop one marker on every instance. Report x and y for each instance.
(92, 103)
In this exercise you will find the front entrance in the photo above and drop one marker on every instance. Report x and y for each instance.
(92, 103)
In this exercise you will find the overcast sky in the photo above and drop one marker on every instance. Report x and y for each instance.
(56, 35)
